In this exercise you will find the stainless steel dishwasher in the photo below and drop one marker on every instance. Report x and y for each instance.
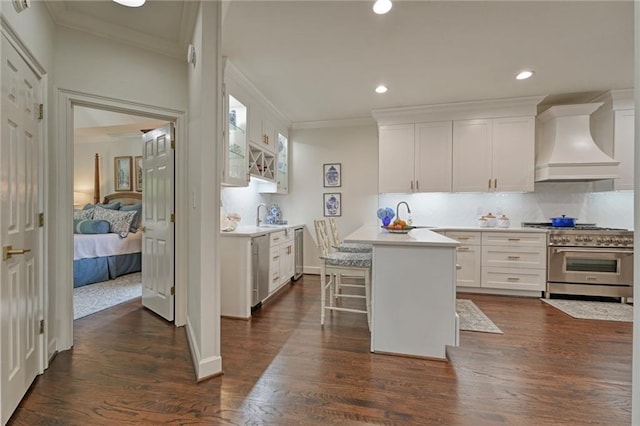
(299, 258)
(259, 269)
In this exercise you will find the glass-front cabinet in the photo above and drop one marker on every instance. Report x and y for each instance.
(236, 160)
(283, 165)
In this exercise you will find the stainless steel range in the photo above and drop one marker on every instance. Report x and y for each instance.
(589, 260)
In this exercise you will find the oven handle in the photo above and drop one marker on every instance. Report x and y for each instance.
(577, 250)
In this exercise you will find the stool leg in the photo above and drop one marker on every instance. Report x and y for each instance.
(323, 290)
(367, 295)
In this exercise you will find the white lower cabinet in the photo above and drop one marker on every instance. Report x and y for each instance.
(469, 258)
(282, 254)
(508, 261)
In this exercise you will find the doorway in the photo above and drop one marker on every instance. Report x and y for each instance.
(107, 267)
(64, 245)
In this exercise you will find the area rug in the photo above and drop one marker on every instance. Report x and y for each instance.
(473, 319)
(593, 310)
(93, 298)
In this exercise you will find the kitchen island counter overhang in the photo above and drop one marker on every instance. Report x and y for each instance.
(413, 291)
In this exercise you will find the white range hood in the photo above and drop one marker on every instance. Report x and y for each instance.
(565, 150)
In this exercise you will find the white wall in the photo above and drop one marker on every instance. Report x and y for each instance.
(356, 148)
(83, 165)
(204, 153)
(99, 66)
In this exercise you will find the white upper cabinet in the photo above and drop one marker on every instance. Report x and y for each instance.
(480, 146)
(433, 157)
(415, 157)
(396, 157)
(472, 155)
(235, 169)
(613, 131)
(261, 129)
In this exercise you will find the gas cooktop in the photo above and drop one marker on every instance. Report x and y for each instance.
(578, 227)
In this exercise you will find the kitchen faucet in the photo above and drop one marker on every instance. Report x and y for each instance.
(398, 210)
(258, 212)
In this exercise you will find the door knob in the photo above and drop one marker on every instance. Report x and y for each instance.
(8, 252)
(143, 229)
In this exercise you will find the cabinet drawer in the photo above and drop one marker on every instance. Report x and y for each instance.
(277, 237)
(515, 239)
(469, 238)
(514, 279)
(514, 257)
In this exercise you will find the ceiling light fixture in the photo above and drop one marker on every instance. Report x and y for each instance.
(130, 3)
(382, 6)
(381, 89)
(523, 75)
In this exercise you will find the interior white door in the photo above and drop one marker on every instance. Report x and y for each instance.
(20, 285)
(157, 212)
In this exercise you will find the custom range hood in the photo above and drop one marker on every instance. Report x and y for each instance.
(565, 149)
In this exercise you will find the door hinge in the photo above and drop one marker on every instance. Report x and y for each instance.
(173, 290)
(173, 218)
(41, 111)
(41, 220)
(41, 326)
(173, 144)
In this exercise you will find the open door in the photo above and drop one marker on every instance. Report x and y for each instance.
(158, 227)
(20, 285)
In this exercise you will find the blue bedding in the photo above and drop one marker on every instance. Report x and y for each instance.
(97, 269)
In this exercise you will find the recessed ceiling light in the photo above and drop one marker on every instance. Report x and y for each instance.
(381, 89)
(523, 75)
(130, 3)
(382, 6)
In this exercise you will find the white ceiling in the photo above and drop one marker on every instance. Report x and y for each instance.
(321, 60)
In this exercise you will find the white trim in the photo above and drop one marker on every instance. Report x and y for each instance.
(351, 122)
(204, 368)
(67, 99)
(510, 107)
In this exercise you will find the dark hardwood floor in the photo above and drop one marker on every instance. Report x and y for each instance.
(128, 366)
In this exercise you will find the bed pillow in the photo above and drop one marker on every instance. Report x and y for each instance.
(83, 214)
(137, 220)
(88, 226)
(113, 206)
(120, 222)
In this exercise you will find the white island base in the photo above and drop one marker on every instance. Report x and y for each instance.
(413, 292)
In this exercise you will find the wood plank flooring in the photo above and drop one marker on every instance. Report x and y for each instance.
(128, 366)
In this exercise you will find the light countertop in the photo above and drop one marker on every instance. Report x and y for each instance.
(416, 237)
(254, 231)
(494, 229)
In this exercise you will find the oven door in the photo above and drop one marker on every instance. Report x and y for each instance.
(584, 265)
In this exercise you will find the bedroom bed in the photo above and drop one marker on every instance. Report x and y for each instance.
(104, 256)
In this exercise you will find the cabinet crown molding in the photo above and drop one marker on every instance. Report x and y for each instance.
(511, 107)
(618, 99)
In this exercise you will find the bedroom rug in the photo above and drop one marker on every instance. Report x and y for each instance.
(580, 309)
(473, 319)
(92, 298)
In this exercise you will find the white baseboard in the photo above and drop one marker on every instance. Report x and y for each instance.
(204, 368)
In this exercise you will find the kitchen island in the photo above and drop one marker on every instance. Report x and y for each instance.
(413, 300)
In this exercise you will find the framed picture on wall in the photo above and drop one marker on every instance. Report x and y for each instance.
(138, 177)
(122, 168)
(332, 204)
(332, 174)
